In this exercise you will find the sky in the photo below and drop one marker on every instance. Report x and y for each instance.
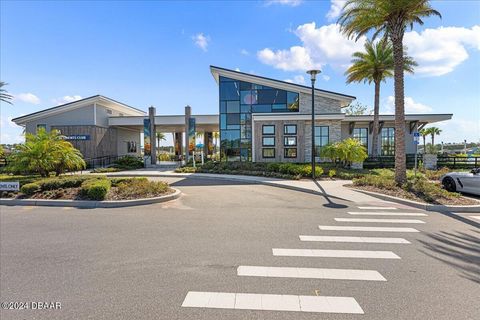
(159, 52)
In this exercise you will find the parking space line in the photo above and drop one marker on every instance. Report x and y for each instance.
(377, 208)
(373, 229)
(379, 220)
(271, 302)
(334, 253)
(353, 239)
(413, 214)
(310, 273)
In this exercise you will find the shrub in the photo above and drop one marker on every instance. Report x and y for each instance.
(95, 189)
(128, 163)
(186, 170)
(164, 157)
(347, 151)
(116, 181)
(30, 188)
(376, 181)
(436, 174)
(140, 188)
(427, 190)
(63, 182)
(106, 170)
(332, 173)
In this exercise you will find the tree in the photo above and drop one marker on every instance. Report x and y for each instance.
(424, 133)
(4, 95)
(375, 65)
(357, 109)
(433, 131)
(391, 18)
(160, 137)
(46, 152)
(347, 151)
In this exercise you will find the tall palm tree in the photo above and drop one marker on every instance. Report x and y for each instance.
(391, 18)
(424, 133)
(4, 95)
(160, 137)
(433, 131)
(375, 65)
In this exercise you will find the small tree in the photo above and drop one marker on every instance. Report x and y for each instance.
(46, 152)
(330, 151)
(351, 150)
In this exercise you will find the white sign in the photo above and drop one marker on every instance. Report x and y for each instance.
(10, 186)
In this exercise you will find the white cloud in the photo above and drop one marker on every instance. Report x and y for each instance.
(27, 97)
(299, 79)
(66, 99)
(237, 69)
(438, 51)
(201, 41)
(6, 138)
(411, 106)
(320, 46)
(326, 77)
(291, 3)
(458, 129)
(336, 7)
(244, 52)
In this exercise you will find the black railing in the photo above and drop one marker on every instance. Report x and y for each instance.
(458, 162)
(100, 162)
(389, 161)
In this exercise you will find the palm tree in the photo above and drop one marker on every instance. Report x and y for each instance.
(424, 133)
(375, 65)
(160, 137)
(4, 96)
(433, 131)
(391, 18)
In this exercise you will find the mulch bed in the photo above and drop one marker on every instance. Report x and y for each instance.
(400, 193)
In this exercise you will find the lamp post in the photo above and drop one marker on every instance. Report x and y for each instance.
(313, 76)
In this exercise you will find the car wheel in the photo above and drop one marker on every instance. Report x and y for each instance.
(449, 184)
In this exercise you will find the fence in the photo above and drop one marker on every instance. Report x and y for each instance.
(442, 161)
(100, 162)
(458, 162)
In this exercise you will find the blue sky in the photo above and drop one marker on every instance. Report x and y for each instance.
(158, 53)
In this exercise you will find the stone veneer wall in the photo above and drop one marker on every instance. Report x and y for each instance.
(322, 105)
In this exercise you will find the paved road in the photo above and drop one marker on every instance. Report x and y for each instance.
(145, 262)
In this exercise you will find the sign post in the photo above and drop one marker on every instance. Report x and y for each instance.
(416, 139)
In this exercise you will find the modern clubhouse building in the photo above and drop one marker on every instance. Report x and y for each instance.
(259, 119)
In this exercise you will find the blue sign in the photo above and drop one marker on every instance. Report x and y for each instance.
(199, 145)
(78, 137)
(416, 142)
(416, 134)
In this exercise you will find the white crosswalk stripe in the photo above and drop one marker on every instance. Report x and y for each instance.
(377, 208)
(379, 220)
(324, 253)
(271, 302)
(353, 239)
(374, 229)
(311, 273)
(393, 213)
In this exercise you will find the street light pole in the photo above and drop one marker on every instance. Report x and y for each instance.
(313, 75)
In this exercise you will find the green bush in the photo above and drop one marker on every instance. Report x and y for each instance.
(164, 157)
(140, 188)
(347, 151)
(376, 181)
(428, 191)
(332, 173)
(63, 182)
(116, 181)
(106, 170)
(436, 174)
(30, 188)
(129, 163)
(95, 189)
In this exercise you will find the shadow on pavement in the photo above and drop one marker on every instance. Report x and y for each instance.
(330, 203)
(458, 250)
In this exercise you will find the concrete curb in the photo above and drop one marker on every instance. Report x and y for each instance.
(90, 204)
(419, 205)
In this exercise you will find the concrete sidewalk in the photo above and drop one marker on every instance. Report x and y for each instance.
(331, 189)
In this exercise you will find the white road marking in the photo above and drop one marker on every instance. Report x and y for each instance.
(379, 229)
(353, 239)
(311, 273)
(272, 302)
(379, 220)
(335, 253)
(413, 214)
(377, 208)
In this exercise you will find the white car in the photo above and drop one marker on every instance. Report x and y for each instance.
(468, 182)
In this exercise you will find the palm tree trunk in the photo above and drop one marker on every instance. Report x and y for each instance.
(433, 139)
(424, 145)
(400, 157)
(376, 111)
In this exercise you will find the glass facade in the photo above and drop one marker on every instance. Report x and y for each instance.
(321, 138)
(238, 100)
(387, 137)
(361, 134)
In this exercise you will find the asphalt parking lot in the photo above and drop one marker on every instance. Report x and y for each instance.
(142, 262)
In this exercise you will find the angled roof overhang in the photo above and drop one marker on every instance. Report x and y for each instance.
(424, 118)
(237, 75)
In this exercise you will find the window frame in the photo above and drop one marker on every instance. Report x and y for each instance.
(268, 125)
(389, 136)
(285, 151)
(288, 133)
(270, 157)
(268, 137)
(289, 145)
(359, 138)
(318, 147)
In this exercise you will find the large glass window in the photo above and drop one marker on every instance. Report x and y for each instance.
(289, 141)
(292, 101)
(321, 138)
(387, 137)
(229, 90)
(361, 134)
(268, 129)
